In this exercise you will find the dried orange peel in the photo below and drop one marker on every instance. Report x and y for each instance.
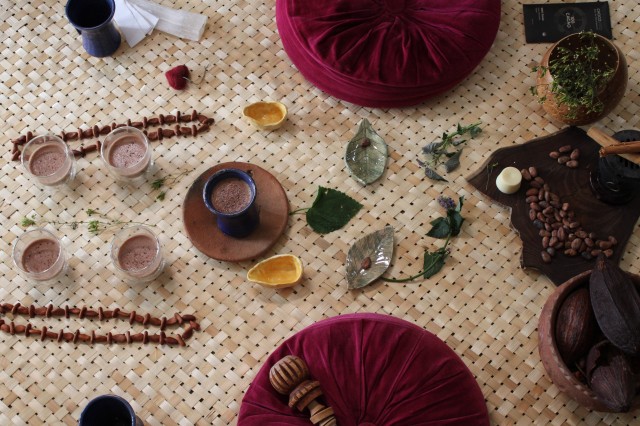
(266, 115)
(280, 271)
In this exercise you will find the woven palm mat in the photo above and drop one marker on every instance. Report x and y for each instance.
(483, 305)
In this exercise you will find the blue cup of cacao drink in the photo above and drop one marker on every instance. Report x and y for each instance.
(230, 194)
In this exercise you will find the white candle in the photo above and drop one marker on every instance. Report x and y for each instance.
(508, 181)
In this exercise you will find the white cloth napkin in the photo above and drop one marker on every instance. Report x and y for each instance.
(137, 18)
(179, 23)
(133, 24)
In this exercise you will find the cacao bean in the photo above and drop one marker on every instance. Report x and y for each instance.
(563, 159)
(575, 244)
(539, 180)
(551, 251)
(533, 172)
(581, 234)
(608, 253)
(575, 154)
(535, 184)
(570, 252)
(565, 148)
(573, 164)
(604, 245)
(531, 199)
(554, 154)
(535, 206)
(613, 240)
(525, 174)
(545, 242)
(531, 191)
(565, 206)
(538, 224)
(532, 214)
(546, 258)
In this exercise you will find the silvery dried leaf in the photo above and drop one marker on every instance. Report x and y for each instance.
(369, 258)
(366, 154)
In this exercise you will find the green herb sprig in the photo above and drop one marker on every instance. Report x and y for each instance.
(578, 77)
(168, 180)
(94, 226)
(447, 151)
(442, 228)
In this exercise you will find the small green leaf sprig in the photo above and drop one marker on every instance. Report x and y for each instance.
(447, 151)
(442, 228)
(94, 226)
(168, 180)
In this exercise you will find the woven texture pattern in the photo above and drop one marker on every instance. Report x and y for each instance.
(483, 305)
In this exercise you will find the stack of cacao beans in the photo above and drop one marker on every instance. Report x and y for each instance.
(597, 333)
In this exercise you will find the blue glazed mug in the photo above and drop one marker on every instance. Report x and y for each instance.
(94, 21)
(109, 410)
(230, 194)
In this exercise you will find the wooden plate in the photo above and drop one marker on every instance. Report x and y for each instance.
(572, 185)
(201, 228)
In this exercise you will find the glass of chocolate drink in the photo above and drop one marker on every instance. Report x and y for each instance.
(127, 154)
(230, 194)
(49, 160)
(39, 255)
(136, 254)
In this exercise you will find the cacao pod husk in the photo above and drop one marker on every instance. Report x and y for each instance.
(610, 376)
(575, 326)
(616, 305)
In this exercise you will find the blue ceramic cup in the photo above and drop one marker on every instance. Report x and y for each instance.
(109, 410)
(230, 194)
(94, 21)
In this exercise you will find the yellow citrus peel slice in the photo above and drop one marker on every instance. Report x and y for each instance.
(280, 271)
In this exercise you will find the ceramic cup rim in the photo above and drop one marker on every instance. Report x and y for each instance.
(47, 137)
(80, 27)
(110, 397)
(219, 176)
(49, 235)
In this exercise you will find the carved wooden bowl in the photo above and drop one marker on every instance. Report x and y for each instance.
(557, 370)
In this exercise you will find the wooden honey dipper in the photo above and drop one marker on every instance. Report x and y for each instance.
(290, 376)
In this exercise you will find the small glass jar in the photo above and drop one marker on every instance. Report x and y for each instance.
(39, 255)
(48, 160)
(127, 154)
(136, 254)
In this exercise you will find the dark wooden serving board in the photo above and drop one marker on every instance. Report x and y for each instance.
(572, 185)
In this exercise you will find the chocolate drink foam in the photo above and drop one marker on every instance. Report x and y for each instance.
(230, 195)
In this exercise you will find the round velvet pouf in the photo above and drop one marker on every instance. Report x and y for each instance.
(374, 370)
(387, 53)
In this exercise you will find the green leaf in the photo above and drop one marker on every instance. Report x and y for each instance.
(331, 210)
(433, 263)
(440, 228)
(455, 221)
(432, 174)
(453, 162)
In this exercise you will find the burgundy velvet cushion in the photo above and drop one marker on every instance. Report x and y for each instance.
(386, 53)
(374, 370)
